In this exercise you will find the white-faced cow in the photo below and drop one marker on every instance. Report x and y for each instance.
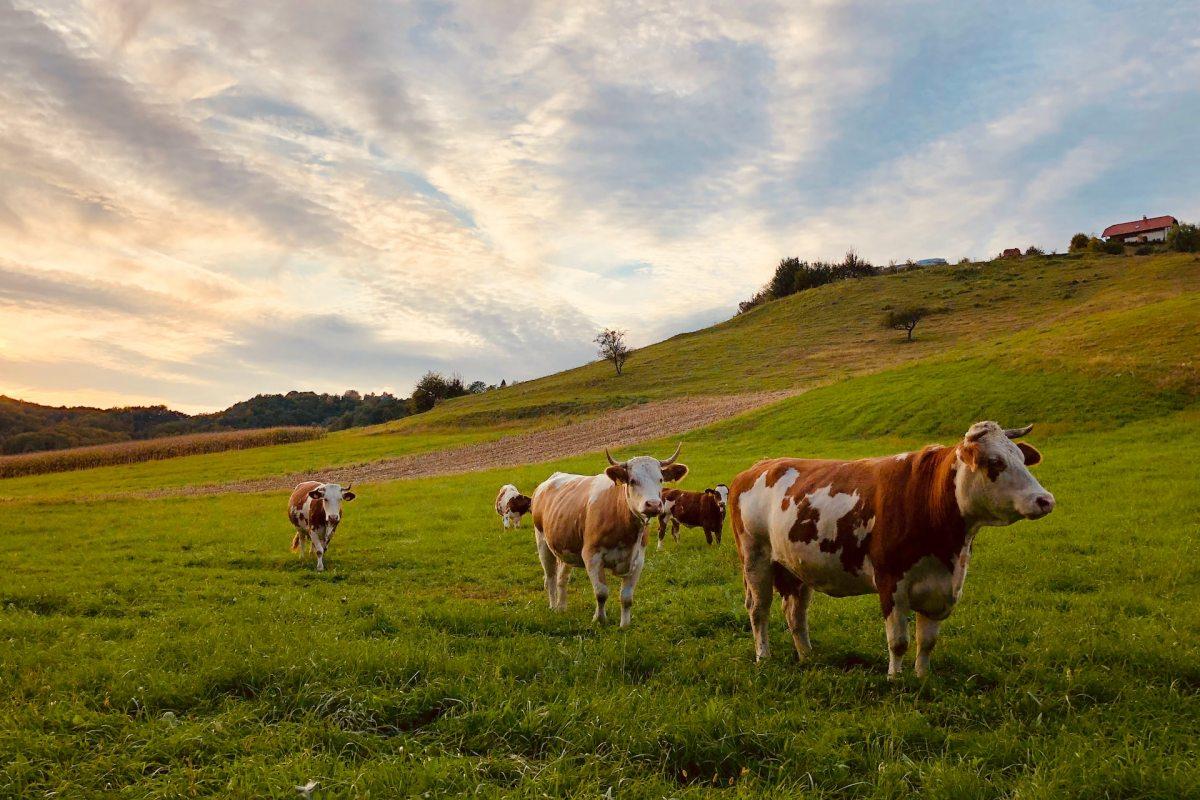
(704, 510)
(511, 505)
(898, 526)
(315, 509)
(599, 522)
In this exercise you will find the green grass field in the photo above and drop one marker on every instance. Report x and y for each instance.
(175, 647)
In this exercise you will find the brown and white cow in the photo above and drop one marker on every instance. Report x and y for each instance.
(599, 522)
(898, 526)
(511, 505)
(315, 509)
(704, 510)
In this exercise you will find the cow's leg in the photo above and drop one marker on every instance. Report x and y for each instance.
(561, 578)
(629, 583)
(897, 637)
(505, 520)
(318, 548)
(708, 535)
(675, 530)
(795, 611)
(927, 631)
(594, 563)
(549, 568)
(662, 529)
(298, 541)
(760, 590)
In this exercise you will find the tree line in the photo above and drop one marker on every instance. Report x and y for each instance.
(29, 427)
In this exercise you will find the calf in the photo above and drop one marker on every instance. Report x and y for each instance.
(315, 509)
(599, 522)
(705, 510)
(511, 505)
(899, 526)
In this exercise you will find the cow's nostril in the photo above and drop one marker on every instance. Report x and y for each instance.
(1045, 502)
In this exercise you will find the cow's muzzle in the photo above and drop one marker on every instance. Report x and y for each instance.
(652, 508)
(1040, 506)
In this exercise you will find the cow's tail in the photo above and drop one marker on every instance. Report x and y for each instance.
(296, 542)
(739, 531)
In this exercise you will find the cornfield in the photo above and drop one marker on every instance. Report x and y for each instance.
(151, 449)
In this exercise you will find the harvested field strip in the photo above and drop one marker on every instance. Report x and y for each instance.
(617, 429)
(151, 449)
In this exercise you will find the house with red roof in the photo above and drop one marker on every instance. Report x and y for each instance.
(1146, 229)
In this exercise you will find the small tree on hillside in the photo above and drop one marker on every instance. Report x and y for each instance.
(905, 319)
(612, 347)
(1079, 242)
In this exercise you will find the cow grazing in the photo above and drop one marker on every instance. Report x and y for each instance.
(315, 509)
(599, 522)
(899, 526)
(511, 505)
(704, 510)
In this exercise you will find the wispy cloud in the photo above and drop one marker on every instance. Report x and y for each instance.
(203, 201)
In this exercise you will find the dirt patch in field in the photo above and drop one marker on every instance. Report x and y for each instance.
(615, 429)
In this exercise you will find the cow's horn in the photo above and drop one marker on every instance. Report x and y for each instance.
(346, 488)
(674, 456)
(1017, 433)
(610, 458)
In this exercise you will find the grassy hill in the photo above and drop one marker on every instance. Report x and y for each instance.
(172, 647)
(1100, 324)
(834, 331)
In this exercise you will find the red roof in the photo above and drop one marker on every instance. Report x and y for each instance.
(1139, 226)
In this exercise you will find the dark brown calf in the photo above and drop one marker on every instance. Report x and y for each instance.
(704, 510)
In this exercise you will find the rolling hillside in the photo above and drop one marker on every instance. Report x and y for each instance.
(174, 647)
(834, 331)
(1114, 334)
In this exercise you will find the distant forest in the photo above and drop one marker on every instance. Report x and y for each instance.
(29, 427)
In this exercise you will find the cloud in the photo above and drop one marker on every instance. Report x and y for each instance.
(200, 201)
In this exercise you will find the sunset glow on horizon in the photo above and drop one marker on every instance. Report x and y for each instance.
(200, 202)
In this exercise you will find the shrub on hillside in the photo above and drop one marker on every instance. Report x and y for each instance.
(1034, 251)
(432, 387)
(793, 275)
(1079, 242)
(1112, 247)
(1144, 250)
(1183, 238)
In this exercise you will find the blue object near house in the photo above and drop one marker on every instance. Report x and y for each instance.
(931, 262)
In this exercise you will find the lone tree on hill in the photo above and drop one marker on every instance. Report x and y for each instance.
(1079, 242)
(612, 347)
(905, 319)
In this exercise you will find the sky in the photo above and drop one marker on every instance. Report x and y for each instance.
(203, 201)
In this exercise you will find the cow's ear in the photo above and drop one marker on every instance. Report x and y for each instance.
(675, 472)
(713, 492)
(1032, 456)
(969, 453)
(318, 493)
(348, 496)
(617, 473)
